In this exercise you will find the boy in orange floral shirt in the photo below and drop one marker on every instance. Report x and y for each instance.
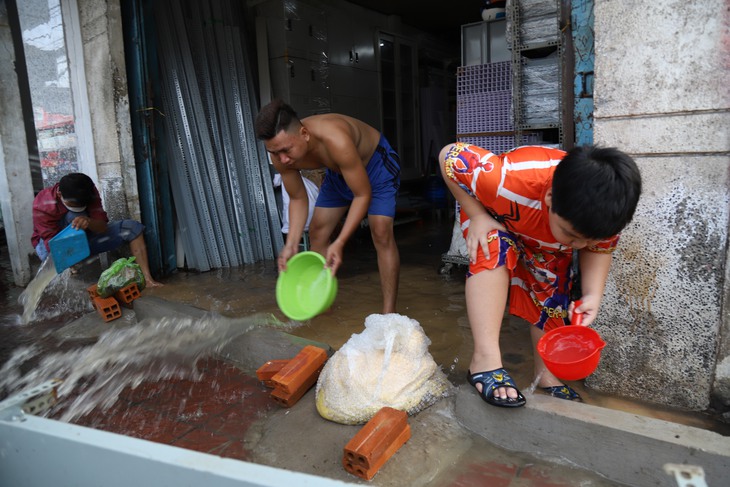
(523, 214)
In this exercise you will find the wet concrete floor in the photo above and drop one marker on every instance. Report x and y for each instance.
(428, 295)
(434, 299)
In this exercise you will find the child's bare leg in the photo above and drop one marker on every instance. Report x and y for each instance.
(139, 250)
(486, 298)
(547, 379)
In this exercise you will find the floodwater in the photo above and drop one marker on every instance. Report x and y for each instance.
(431, 297)
(32, 294)
(94, 376)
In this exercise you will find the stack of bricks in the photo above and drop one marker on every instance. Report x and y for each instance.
(108, 307)
(291, 379)
(376, 442)
(269, 370)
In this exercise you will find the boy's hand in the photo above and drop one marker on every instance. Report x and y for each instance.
(479, 227)
(588, 305)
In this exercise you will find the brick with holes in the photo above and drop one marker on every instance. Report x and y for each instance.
(376, 442)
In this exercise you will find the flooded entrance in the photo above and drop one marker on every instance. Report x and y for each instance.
(187, 396)
(433, 299)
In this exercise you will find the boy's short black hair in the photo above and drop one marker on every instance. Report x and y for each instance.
(77, 188)
(596, 189)
(273, 118)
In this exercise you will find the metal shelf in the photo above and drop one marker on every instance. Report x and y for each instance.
(528, 49)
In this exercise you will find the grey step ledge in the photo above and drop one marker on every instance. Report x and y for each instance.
(623, 447)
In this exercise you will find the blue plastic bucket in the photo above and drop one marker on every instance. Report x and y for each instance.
(68, 247)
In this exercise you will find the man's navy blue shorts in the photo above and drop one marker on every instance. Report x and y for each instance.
(383, 171)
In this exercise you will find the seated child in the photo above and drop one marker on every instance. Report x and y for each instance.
(75, 201)
(523, 214)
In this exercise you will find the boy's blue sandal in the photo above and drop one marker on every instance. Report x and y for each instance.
(563, 392)
(492, 380)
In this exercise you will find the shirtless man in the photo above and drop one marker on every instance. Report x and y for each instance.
(362, 175)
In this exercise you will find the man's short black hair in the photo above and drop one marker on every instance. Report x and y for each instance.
(273, 118)
(596, 189)
(77, 188)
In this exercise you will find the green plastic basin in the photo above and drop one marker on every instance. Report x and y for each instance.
(306, 288)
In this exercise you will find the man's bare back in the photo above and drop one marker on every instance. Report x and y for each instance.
(335, 133)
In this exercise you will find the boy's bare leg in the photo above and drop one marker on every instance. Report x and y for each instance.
(381, 229)
(486, 299)
(139, 251)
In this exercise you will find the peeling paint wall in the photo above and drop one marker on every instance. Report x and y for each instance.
(662, 95)
(106, 79)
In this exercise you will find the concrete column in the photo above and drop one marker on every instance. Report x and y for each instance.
(661, 94)
(100, 25)
(16, 186)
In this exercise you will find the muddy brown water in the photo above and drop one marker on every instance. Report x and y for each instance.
(427, 294)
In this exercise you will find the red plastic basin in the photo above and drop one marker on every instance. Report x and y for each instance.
(571, 352)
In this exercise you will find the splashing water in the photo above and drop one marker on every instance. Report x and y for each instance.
(453, 365)
(533, 386)
(30, 297)
(69, 295)
(151, 350)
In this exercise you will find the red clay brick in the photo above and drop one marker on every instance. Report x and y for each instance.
(92, 292)
(267, 371)
(289, 399)
(128, 294)
(368, 474)
(376, 442)
(303, 369)
(108, 308)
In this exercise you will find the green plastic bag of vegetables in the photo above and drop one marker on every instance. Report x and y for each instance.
(119, 275)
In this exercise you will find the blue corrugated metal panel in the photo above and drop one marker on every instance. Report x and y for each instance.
(150, 160)
(582, 21)
(221, 181)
